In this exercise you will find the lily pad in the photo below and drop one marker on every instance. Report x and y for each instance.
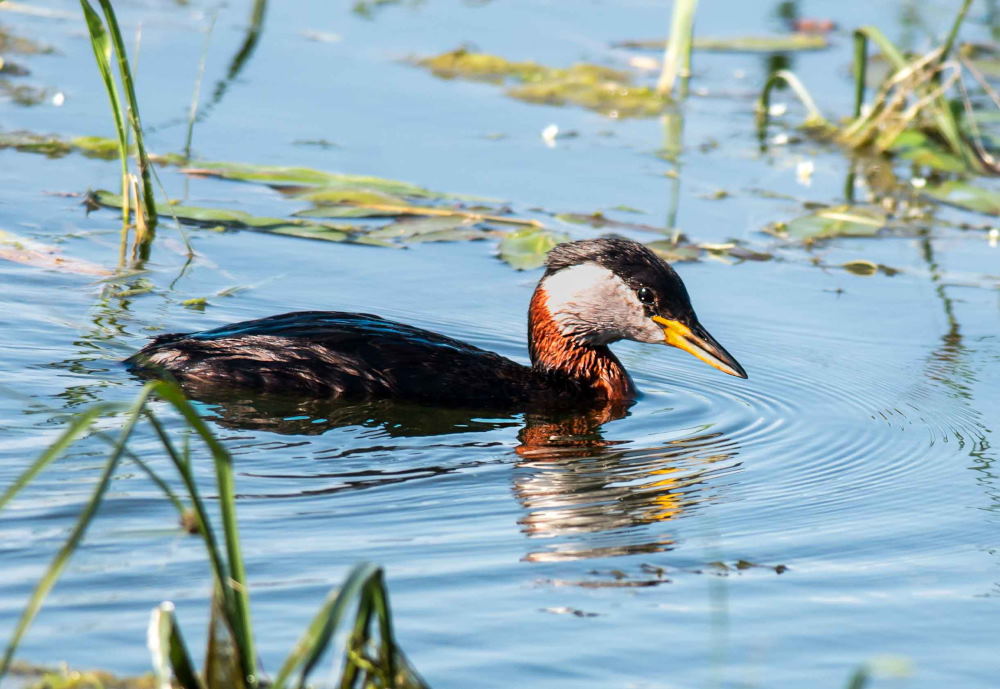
(835, 221)
(743, 44)
(526, 249)
(967, 196)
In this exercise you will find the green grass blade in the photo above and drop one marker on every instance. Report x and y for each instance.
(48, 580)
(953, 34)
(357, 640)
(101, 45)
(388, 642)
(223, 667)
(240, 620)
(81, 423)
(316, 639)
(169, 653)
(896, 58)
(814, 118)
(677, 55)
(219, 567)
(860, 70)
(125, 73)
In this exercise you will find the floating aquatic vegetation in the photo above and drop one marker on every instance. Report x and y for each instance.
(30, 252)
(40, 677)
(835, 221)
(23, 94)
(224, 218)
(683, 251)
(599, 220)
(965, 195)
(741, 44)
(675, 252)
(921, 150)
(314, 180)
(9, 44)
(609, 91)
(56, 147)
(448, 227)
(526, 249)
(868, 268)
(915, 110)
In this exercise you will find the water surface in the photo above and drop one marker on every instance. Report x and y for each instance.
(854, 468)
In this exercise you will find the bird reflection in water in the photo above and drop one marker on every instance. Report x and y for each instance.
(587, 496)
(592, 497)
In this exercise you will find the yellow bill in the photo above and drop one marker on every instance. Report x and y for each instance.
(697, 342)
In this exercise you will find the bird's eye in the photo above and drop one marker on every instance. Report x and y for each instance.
(645, 295)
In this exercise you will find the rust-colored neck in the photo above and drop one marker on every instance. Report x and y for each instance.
(558, 355)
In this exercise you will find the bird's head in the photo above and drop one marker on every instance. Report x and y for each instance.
(598, 291)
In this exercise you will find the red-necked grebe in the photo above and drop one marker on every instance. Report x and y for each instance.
(593, 293)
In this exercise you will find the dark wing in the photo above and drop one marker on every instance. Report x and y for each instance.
(334, 354)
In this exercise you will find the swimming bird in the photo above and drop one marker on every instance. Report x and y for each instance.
(593, 293)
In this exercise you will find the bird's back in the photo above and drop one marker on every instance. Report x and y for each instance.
(336, 354)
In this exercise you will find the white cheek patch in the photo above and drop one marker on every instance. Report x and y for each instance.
(593, 304)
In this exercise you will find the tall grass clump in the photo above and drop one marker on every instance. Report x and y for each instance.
(137, 191)
(921, 101)
(371, 658)
(677, 54)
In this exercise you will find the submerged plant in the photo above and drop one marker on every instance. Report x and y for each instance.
(106, 39)
(371, 656)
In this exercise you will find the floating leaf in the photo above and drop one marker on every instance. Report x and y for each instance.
(29, 252)
(9, 43)
(861, 267)
(23, 94)
(464, 64)
(917, 147)
(606, 90)
(357, 197)
(742, 44)
(96, 146)
(235, 219)
(675, 253)
(28, 142)
(967, 196)
(415, 227)
(526, 249)
(304, 176)
(835, 221)
(599, 220)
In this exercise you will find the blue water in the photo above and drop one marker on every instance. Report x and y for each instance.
(857, 455)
